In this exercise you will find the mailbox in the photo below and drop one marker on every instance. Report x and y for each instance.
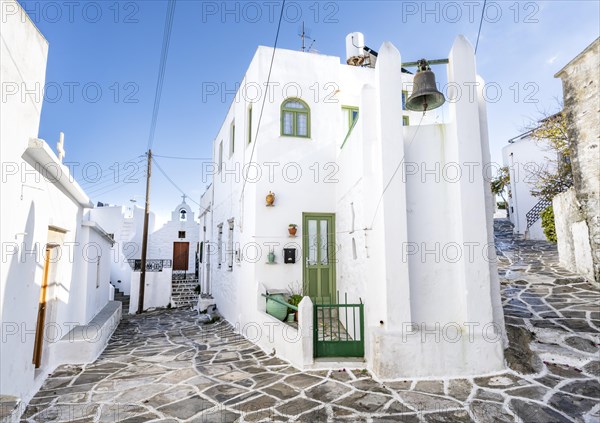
(289, 255)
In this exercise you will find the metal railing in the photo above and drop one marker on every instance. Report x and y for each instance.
(534, 214)
(152, 265)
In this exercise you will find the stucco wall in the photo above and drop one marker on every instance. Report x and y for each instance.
(525, 158)
(581, 96)
(372, 236)
(36, 211)
(572, 234)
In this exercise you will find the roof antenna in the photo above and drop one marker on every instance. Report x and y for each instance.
(304, 36)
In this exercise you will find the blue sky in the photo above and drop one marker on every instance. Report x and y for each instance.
(114, 48)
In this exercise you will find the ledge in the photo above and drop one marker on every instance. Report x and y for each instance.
(42, 158)
(96, 227)
(83, 344)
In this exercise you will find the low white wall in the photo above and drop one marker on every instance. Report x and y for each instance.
(288, 343)
(157, 292)
(573, 239)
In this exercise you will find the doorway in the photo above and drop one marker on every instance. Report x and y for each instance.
(181, 252)
(319, 257)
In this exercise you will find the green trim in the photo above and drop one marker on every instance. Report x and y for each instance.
(405, 120)
(404, 99)
(348, 134)
(295, 113)
(332, 253)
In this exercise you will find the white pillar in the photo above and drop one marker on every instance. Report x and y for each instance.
(305, 327)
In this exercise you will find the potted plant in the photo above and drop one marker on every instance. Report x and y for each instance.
(292, 229)
(295, 297)
(295, 300)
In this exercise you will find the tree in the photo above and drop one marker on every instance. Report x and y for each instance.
(501, 184)
(557, 176)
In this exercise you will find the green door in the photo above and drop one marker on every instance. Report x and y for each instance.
(319, 256)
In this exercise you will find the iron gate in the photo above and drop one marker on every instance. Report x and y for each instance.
(338, 330)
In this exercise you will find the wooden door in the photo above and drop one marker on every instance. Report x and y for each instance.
(181, 253)
(319, 257)
(41, 316)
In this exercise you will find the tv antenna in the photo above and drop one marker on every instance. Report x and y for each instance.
(304, 36)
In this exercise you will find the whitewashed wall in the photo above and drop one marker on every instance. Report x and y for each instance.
(160, 241)
(524, 158)
(31, 205)
(400, 287)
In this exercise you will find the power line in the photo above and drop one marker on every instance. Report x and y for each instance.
(109, 171)
(262, 108)
(395, 171)
(162, 67)
(173, 182)
(183, 158)
(480, 23)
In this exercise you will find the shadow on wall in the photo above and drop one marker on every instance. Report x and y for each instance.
(20, 299)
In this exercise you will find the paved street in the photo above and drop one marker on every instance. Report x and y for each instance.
(167, 366)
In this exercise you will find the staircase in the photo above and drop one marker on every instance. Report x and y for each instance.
(120, 296)
(534, 214)
(183, 293)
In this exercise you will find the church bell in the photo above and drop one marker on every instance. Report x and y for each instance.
(425, 95)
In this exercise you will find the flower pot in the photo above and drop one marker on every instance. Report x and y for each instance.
(271, 257)
(290, 317)
(270, 198)
(275, 309)
(292, 230)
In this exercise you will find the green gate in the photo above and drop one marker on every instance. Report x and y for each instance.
(338, 330)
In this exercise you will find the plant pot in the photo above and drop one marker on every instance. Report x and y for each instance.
(270, 198)
(271, 257)
(290, 317)
(275, 309)
(292, 230)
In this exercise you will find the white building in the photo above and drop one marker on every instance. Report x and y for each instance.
(420, 257)
(177, 239)
(525, 157)
(54, 278)
(126, 226)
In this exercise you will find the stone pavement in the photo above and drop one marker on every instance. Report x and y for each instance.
(167, 366)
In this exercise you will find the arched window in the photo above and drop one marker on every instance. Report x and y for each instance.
(295, 118)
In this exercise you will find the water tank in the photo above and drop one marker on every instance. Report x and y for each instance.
(355, 54)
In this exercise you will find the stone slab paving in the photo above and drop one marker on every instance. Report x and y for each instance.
(168, 366)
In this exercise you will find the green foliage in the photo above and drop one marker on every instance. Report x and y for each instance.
(501, 205)
(552, 180)
(295, 299)
(548, 224)
(501, 185)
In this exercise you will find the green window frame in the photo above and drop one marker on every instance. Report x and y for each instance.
(404, 98)
(405, 120)
(232, 139)
(352, 115)
(295, 118)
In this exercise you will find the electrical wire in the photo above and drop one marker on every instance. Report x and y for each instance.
(174, 184)
(161, 70)
(182, 158)
(109, 171)
(480, 24)
(395, 171)
(262, 108)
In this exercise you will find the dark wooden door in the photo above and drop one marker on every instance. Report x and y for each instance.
(181, 253)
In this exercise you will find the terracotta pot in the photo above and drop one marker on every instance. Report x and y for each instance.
(292, 230)
(270, 198)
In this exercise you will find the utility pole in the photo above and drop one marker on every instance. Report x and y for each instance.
(145, 237)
